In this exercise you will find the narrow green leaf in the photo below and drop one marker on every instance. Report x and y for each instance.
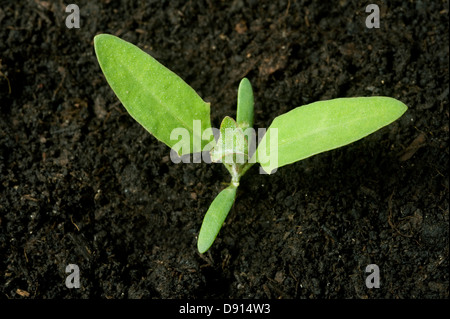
(214, 218)
(322, 126)
(245, 105)
(154, 96)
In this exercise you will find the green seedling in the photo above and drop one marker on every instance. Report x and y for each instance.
(169, 108)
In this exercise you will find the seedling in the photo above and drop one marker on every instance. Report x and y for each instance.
(169, 108)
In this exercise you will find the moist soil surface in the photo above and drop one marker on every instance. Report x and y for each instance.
(82, 183)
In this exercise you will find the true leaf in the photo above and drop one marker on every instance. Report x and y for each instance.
(232, 146)
(322, 126)
(154, 96)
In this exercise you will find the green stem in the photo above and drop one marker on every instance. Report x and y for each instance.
(237, 171)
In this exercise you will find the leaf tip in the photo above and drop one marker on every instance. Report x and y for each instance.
(102, 39)
(98, 38)
(202, 248)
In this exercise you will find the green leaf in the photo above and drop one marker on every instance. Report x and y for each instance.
(214, 218)
(245, 105)
(154, 96)
(232, 146)
(322, 126)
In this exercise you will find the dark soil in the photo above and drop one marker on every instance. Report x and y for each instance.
(82, 183)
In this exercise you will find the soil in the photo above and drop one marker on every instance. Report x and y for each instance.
(82, 183)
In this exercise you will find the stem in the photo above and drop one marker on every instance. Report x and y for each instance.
(237, 171)
(234, 172)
